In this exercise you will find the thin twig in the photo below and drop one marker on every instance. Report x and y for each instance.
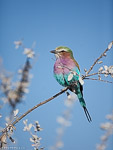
(33, 108)
(88, 75)
(85, 76)
(103, 54)
(99, 80)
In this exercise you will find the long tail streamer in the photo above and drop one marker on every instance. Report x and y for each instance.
(87, 114)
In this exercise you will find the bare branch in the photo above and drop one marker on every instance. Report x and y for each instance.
(99, 80)
(96, 73)
(88, 75)
(103, 54)
(33, 108)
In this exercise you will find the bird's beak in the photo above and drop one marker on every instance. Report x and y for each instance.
(53, 51)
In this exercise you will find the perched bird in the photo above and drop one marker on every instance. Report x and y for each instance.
(67, 73)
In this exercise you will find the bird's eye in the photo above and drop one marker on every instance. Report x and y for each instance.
(63, 51)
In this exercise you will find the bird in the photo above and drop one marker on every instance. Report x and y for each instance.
(67, 73)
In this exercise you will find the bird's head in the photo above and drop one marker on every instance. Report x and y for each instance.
(62, 51)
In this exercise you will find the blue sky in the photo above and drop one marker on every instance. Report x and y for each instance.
(85, 27)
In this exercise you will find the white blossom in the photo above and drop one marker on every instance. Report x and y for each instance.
(22, 84)
(110, 45)
(85, 70)
(29, 52)
(12, 94)
(110, 117)
(59, 144)
(4, 99)
(70, 100)
(104, 54)
(99, 77)
(59, 131)
(106, 125)
(3, 139)
(20, 71)
(100, 69)
(30, 76)
(36, 146)
(37, 127)
(108, 71)
(25, 121)
(101, 147)
(36, 140)
(7, 120)
(28, 127)
(15, 112)
(99, 62)
(17, 44)
(6, 80)
(105, 67)
(32, 140)
(36, 122)
(104, 137)
(35, 137)
(25, 90)
(63, 121)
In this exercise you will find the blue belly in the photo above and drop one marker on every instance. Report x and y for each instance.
(65, 80)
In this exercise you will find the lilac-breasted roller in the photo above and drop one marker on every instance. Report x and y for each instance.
(67, 73)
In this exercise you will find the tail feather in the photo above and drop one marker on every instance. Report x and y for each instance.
(79, 92)
(87, 114)
(83, 104)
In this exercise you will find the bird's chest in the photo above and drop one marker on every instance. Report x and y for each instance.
(63, 66)
(66, 72)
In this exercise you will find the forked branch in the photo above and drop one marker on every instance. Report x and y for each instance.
(106, 72)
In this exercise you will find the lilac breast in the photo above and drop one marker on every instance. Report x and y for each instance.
(63, 66)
